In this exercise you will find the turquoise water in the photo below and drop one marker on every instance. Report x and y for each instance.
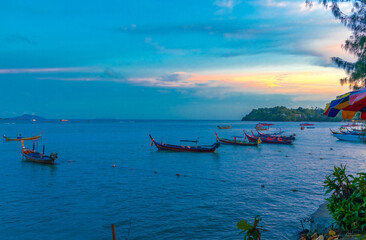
(82, 198)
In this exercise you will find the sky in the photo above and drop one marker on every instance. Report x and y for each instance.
(166, 59)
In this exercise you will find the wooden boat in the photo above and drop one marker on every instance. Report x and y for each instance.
(334, 132)
(22, 138)
(236, 142)
(290, 137)
(34, 156)
(276, 140)
(263, 126)
(307, 125)
(182, 148)
(350, 137)
(225, 127)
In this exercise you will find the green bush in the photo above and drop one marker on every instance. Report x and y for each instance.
(347, 204)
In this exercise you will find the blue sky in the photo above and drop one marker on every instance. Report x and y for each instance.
(166, 59)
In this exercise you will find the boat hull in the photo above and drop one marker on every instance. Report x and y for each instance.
(177, 148)
(290, 137)
(272, 140)
(231, 142)
(22, 139)
(37, 157)
(224, 127)
(350, 137)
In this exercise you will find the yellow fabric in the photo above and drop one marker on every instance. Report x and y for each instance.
(259, 141)
(342, 105)
(344, 95)
(326, 107)
(348, 114)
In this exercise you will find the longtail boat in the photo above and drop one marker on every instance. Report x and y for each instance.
(350, 125)
(34, 156)
(276, 140)
(225, 127)
(183, 148)
(350, 137)
(263, 126)
(334, 132)
(22, 138)
(236, 142)
(307, 125)
(290, 137)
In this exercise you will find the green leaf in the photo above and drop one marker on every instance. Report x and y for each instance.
(244, 225)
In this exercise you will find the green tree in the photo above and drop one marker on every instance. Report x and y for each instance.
(355, 44)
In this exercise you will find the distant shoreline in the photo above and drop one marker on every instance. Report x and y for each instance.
(284, 114)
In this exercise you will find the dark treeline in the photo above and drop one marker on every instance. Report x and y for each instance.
(287, 114)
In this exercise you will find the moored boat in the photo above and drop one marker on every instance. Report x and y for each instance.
(34, 156)
(225, 127)
(306, 125)
(20, 138)
(183, 148)
(289, 137)
(237, 142)
(350, 137)
(263, 126)
(334, 132)
(275, 140)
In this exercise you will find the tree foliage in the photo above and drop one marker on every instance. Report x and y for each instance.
(355, 20)
(287, 114)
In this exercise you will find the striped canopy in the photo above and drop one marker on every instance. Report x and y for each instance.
(350, 103)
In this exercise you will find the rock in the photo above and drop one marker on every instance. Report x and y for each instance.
(314, 236)
(320, 237)
(321, 220)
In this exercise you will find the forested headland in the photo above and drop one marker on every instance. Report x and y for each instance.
(283, 114)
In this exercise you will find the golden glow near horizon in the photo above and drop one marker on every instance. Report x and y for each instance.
(324, 82)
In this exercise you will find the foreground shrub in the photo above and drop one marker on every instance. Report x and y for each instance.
(347, 204)
(251, 232)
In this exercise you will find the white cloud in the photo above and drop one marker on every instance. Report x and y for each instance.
(273, 3)
(226, 5)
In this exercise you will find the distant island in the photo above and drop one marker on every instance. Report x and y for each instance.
(284, 114)
(27, 117)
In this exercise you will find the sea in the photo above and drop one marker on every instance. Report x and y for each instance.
(108, 173)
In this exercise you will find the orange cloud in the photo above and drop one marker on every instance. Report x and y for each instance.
(321, 83)
(324, 82)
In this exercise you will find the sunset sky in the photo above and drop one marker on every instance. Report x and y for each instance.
(166, 59)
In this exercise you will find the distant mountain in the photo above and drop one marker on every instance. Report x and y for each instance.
(290, 115)
(28, 117)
